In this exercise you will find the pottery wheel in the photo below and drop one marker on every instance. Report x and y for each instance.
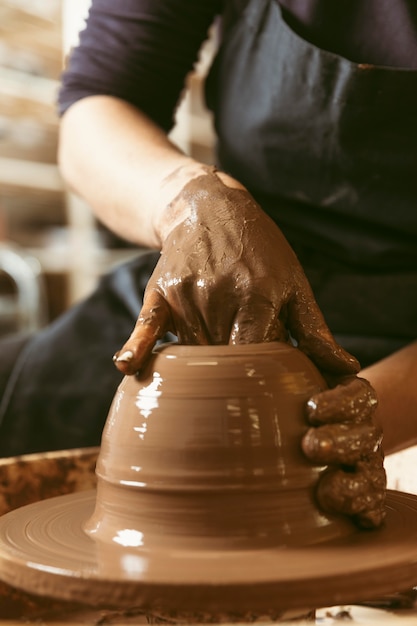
(44, 550)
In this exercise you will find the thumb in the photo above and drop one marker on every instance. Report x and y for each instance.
(314, 338)
(152, 323)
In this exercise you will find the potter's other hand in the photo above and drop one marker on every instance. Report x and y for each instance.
(227, 275)
(344, 438)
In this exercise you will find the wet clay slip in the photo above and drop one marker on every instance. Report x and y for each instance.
(205, 501)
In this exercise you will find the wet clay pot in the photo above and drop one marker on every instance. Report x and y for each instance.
(204, 450)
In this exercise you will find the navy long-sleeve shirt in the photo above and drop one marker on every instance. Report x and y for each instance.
(142, 50)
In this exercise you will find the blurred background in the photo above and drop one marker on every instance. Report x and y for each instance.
(52, 249)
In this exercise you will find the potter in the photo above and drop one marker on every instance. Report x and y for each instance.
(334, 203)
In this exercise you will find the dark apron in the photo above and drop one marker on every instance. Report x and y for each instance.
(329, 149)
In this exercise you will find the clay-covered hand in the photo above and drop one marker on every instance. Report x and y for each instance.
(344, 438)
(227, 275)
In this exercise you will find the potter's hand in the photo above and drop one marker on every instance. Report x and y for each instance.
(344, 437)
(227, 275)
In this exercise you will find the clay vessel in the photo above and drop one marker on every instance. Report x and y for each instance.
(203, 450)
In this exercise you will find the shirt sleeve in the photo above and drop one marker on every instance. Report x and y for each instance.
(138, 50)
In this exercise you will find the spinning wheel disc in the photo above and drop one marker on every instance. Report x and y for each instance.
(44, 550)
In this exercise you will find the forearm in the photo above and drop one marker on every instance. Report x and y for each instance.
(394, 379)
(122, 164)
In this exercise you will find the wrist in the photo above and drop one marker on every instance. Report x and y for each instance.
(170, 210)
(172, 207)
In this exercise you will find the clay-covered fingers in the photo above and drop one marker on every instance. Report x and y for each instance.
(153, 322)
(195, 322)
(353, 399)
(341, 444)
(358, 492)
(308, 327)
(344, 438)
(257, 321)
